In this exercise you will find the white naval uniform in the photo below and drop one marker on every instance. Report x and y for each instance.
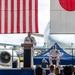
(30, 40)
(54, 53)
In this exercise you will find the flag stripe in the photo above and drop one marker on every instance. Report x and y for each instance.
(9, 16)
(12, 16)
(36, 15)
(18, 16)
(33, 16)
(15, 16)
(2, 26)
(30, 15)
(21, 16)
(6, 16)
(0, 14)
(24, 16)
(27, 15)
(2, 29)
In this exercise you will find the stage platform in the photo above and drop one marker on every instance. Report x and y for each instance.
(15, 71)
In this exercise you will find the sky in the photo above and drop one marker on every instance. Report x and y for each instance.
(43, 19)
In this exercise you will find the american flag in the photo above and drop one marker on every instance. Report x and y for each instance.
(18, 16)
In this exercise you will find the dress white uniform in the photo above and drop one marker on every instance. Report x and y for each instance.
(54, 55)
(30, 40)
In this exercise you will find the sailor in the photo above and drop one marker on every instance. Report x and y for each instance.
(54, 54)
(30, 39)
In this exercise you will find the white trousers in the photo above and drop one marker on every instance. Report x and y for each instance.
(57, 60)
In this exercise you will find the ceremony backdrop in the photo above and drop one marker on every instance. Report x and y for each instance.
(62, 15)
(18, 16)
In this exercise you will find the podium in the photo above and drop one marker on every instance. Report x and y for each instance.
(27, 55)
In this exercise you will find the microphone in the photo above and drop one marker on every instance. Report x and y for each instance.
(31, 39)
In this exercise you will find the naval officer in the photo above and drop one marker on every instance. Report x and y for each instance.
(54, 54)
(30, 39)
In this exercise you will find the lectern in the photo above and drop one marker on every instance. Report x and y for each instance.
(27, 55)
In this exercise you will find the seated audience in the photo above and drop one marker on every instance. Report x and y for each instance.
(44, 72)
(38, 71)
(67, 70)
(72, 68)
(51, 70)
(57, 71)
